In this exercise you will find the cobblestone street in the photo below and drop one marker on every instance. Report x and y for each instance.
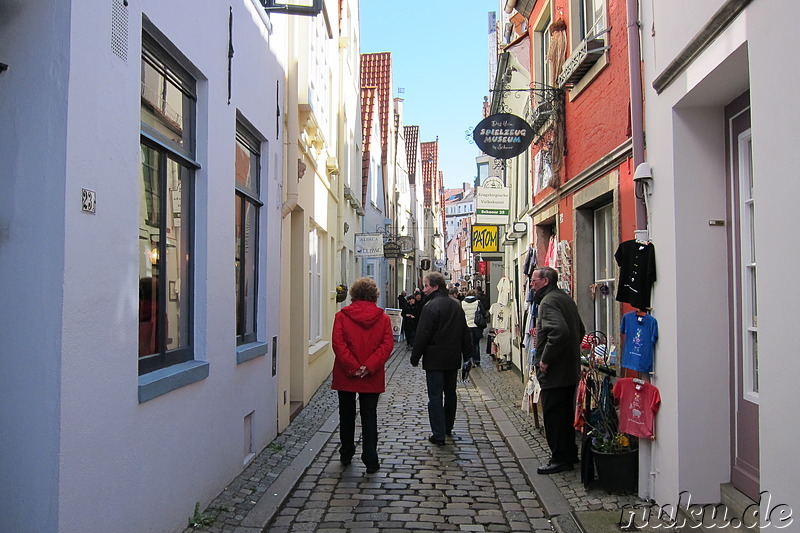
(483, 479)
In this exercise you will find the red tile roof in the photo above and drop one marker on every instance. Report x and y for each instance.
(376, 71)
(429, 152)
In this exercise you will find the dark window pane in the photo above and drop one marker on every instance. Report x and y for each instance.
(177, 256)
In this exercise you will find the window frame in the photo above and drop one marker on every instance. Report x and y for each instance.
(180, 153)
(604, 304)
(252, 198)
(315, 253)
(748, 289)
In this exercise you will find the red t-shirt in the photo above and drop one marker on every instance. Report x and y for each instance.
(638, 404)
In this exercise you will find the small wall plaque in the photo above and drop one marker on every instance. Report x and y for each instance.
(88, 201)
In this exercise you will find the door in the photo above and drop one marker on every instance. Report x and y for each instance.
(743, 296)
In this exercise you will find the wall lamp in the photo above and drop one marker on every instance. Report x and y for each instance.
(643, 179)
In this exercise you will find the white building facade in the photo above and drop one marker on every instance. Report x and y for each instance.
(143, 151)
(721, 147)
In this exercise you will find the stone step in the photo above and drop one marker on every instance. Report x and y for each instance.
(734, 513)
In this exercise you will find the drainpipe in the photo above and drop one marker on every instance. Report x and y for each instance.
(636, 94)
(292, 163)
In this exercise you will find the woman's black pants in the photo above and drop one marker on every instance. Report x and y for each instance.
(368, 404)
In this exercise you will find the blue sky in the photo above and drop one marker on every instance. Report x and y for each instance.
(439, 56)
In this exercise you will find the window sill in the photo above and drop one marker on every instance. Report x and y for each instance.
(165, 380)
(317, 349)
(251, 350)
(587, 79)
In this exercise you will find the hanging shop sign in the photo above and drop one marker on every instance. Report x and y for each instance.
(491, 204)
(503, 135)
(392, 250)
(369, 245)
(485, 239)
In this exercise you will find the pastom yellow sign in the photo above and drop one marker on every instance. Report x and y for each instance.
(485, 239)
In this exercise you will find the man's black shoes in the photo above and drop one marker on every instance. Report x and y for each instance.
(436, 441)
(554, 468)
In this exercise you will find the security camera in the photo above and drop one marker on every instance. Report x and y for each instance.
(643, 172)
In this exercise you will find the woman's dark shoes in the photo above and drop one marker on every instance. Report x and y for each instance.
(554, 468)
(346, 460)
(373, 468)
(435, 440)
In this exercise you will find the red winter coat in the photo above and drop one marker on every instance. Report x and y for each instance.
(362, 335)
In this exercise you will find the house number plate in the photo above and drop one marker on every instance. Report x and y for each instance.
(88, 199)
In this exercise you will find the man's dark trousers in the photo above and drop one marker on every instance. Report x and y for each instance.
(441, 384)
(558, 412)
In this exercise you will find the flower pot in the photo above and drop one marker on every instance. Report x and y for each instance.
(617, 472)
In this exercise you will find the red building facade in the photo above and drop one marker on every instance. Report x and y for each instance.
(581, 194)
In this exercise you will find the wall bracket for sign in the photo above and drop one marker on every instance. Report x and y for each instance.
(546, 104)
(542, 109)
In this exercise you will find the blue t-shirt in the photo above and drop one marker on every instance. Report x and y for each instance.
(641, 333)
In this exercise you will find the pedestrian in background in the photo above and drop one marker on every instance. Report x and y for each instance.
(471, 305)
(559, 331)
(362, 343)
(443, 343)
(411, 312)
(401, 299)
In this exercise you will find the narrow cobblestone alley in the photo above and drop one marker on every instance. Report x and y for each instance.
(482, 479)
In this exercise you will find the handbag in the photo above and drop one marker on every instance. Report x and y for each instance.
(480, 317)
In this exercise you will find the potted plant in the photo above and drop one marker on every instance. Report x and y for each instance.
(615, 454)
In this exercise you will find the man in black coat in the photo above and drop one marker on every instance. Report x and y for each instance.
(558, 360)
(443, 343)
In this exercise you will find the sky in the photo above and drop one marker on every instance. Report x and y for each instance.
(439, 57)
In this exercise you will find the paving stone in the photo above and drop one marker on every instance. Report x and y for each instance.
(473, 483)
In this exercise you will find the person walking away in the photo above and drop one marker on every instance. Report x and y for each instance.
(362, 343)
(443, 344)
(410, 318)
(471, 305)
(557, 363)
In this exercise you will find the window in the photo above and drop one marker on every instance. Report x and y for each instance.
(588, 37)
(314, 286)
(747, 247)
(592, 18)
(542, 66)
(248, 204)
(483, 172)
(166, 199)
(375, 175)
(604, 271)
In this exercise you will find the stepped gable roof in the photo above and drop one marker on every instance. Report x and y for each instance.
(412, 141)
(376, 71)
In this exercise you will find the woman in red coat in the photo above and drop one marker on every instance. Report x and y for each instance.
(362, 342)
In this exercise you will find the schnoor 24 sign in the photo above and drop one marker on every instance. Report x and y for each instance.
(503, 135)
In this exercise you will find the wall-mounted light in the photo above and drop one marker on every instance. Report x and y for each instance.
(643, 180)
(293, 7)
(154, 256)
(518, 229)
(643, 172)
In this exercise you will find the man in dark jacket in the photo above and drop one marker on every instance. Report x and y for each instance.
(443, 343)
(558, 360)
